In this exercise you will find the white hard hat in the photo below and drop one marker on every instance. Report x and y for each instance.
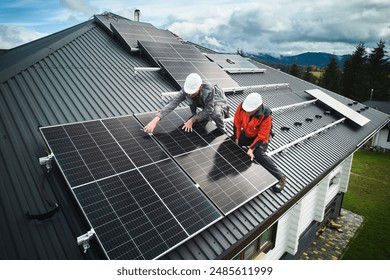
(252, 102)
(192, 83)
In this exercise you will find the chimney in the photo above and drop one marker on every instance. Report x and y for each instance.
(137, 14)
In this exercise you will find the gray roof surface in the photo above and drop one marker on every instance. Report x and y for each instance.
(84, 73)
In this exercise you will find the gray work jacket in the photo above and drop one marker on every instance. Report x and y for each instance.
(209, 96)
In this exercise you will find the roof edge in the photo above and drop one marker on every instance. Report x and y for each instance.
(13, 63)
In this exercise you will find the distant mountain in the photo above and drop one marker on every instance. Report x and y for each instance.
(319, 59)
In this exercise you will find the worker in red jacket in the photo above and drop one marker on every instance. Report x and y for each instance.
(252, 128)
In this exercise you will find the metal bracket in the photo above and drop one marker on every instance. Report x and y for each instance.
(85, 238)
(47, 161)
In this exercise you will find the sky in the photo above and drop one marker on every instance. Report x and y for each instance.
(278, 27)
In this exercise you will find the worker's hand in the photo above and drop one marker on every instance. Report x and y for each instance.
(250, 154)
(237, 141)
(188, 126)
(149, 128)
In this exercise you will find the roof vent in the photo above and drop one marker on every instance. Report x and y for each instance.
(318, 116)
(137, 14)
(350, 104)
(309, 119)
(327, 113)
(298, 124)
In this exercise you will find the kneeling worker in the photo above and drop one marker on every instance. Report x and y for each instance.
(210, 98)
(252, 128)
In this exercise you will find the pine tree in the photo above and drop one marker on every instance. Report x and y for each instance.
(379, 80)
(308, 76)
(355, 80)
(294, 70)
(331, 79)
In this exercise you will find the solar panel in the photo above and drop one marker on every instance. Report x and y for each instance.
(165, 51)
(209, 71)
(338, 106)
(220, 168)
(234, 63)
(138, 200)
(129, 33)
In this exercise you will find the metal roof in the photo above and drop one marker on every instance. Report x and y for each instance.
(83, 73)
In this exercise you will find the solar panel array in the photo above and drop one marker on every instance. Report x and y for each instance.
(234, 63)
(180, 60)
(220, 168)
(339, 107)
(130, 33)
(209, 71)
(140, 203)
(165, 51)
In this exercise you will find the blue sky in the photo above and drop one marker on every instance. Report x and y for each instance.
(277, 27)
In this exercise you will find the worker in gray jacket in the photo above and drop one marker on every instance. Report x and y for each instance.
(210, 98)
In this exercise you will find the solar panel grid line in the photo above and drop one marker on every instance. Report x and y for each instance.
(139, 208)
(205, 171)
(167, 208)
(97, 182)
(96, 228)
(126, 137)
(163, 200)
(91, 153)
(181, 206)
(203, 214)
(83, 167)
(214, 171)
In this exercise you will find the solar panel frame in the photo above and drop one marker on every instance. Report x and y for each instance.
(208, 71)
(229, 186)
(130, 33)
(339, 107)
(157, 51)
(237, 61)
(171, 224)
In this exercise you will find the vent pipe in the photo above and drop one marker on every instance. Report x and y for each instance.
(137, 14)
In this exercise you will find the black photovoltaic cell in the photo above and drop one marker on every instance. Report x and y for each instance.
(209, 71)
(130, 33)
(134, 141)
(230, 61)
(97, 149)
(189, 205)
(138, 200)
(166, 51)
(221, 168)
(175, 140)
(129, 218)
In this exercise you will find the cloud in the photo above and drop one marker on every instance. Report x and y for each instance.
(290, 26)
(12, 36)
(80, 6)
(286, 27)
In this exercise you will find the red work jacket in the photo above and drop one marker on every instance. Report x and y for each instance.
(258, 126)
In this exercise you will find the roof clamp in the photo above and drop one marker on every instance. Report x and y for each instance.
(47, 161)
(85, 238)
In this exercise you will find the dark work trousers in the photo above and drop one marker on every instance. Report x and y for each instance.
(260, 155)
(219, 113)
(218, 116)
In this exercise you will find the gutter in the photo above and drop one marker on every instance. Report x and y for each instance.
(268, 222)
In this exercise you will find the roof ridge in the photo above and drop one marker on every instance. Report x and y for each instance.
(19, 58)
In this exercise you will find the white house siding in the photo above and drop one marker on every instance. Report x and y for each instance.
(381, 139)
(311, 208)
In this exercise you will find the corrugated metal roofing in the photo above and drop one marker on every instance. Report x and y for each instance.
(83, 73)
